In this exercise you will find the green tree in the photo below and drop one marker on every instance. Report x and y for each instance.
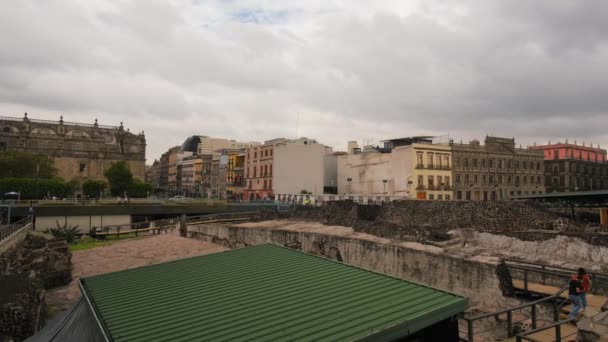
(26, 165)
(139, 189)
(120, 177)
(36, 188)
(92, 188)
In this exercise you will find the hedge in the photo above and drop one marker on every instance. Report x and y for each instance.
(29, 187)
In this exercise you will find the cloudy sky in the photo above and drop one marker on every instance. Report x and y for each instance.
(349, 70)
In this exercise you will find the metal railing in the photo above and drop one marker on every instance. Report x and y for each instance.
(11, 228)
(525, 336)
(548, 270)
(553, 300)
(157, 226)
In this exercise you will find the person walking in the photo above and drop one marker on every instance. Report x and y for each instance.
(586, 282)
(575, 289)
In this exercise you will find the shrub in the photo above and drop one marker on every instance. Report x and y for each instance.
(65, 232)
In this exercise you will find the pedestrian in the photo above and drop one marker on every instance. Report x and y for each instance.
(575, 289)
(586, 282)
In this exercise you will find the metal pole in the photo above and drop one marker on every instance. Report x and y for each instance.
(509, 323)
(533, 316)
(470, 330)
(558, 332)
(526, 281)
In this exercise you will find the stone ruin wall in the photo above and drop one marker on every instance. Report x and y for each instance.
(473, 277)
(432, 220)
(35, 265)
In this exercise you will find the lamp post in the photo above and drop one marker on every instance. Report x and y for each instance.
(349, 180)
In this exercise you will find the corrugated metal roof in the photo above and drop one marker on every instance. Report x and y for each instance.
(262, 293)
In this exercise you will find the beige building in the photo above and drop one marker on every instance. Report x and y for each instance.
(409, 168)
(79, 151)
(285, 166)
(191, 175)
(496, 170)
(209, 145)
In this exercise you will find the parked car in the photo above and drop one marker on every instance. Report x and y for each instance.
(177, 198)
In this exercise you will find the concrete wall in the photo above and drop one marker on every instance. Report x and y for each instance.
(299, 166)
(472, 277)
(85, 223)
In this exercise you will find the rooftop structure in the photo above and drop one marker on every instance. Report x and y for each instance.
(266, 293)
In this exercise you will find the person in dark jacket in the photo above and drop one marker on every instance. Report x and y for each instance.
(574, 295)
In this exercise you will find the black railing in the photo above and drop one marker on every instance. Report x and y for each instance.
(557, 271)
(11, 228)
(525, 336)
(553, 300)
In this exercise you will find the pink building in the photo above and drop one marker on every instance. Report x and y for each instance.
(572, 151)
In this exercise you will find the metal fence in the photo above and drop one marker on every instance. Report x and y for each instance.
(10, 229)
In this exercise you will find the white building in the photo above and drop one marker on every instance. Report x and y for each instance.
(208, 145)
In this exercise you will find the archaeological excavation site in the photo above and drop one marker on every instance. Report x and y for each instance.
(511, 260)
(342, 271)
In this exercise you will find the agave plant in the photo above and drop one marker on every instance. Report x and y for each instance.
(65, 232)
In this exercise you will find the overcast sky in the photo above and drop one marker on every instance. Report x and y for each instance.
(350, 70)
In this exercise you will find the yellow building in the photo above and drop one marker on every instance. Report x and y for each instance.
(234, 174)
(432, 171)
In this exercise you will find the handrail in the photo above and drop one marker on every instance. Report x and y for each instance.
(509, 311)
(565, 269)
(558, 336)
(175, 219)
(9, 229)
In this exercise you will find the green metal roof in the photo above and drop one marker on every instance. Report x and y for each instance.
(262, 293)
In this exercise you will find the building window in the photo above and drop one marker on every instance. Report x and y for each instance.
(466, 179)
(3, 146)
(483, 179)
(6, 129)
(430, 182)
(458, 195)
(82, 167)
(255, 171)
(446, 161)
(419, 160)
(420, 180)
(447, 197)
(483, 163)
(439, 181)
(501, 163)
(538, 165)
(491, 179)
(431, 196)
(456, 162)
(475, 179)
(474, 162)
(516, 180)
(490, 163)
(555, 154)
(468, 194)
(517, 164)
(265, 184)
(500, 179)
(457, 179)
(447, 182)
(439, 197)
(525, 180)
(509, 180)
(466, 162)
(429, 159)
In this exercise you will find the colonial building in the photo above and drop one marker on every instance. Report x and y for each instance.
(79, 151)
(285, 166)
(496, 170)
(411, 167)
(235, 174)
(573, 167)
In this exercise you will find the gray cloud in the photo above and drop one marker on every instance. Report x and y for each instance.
(534, 70)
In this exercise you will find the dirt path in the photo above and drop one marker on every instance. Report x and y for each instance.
(124, 255)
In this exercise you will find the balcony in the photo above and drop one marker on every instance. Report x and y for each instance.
(433, 167)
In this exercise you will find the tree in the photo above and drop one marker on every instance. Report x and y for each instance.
(92, 188)
(120, 177)
(305, 192)
(139, 189)
(26, 165)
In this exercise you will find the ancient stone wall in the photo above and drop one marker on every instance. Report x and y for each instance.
(422, 220)
(26, 272)
(474, 277)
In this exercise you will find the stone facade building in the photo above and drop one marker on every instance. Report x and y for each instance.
(496, 170)
(573, 167)
(79, 151)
